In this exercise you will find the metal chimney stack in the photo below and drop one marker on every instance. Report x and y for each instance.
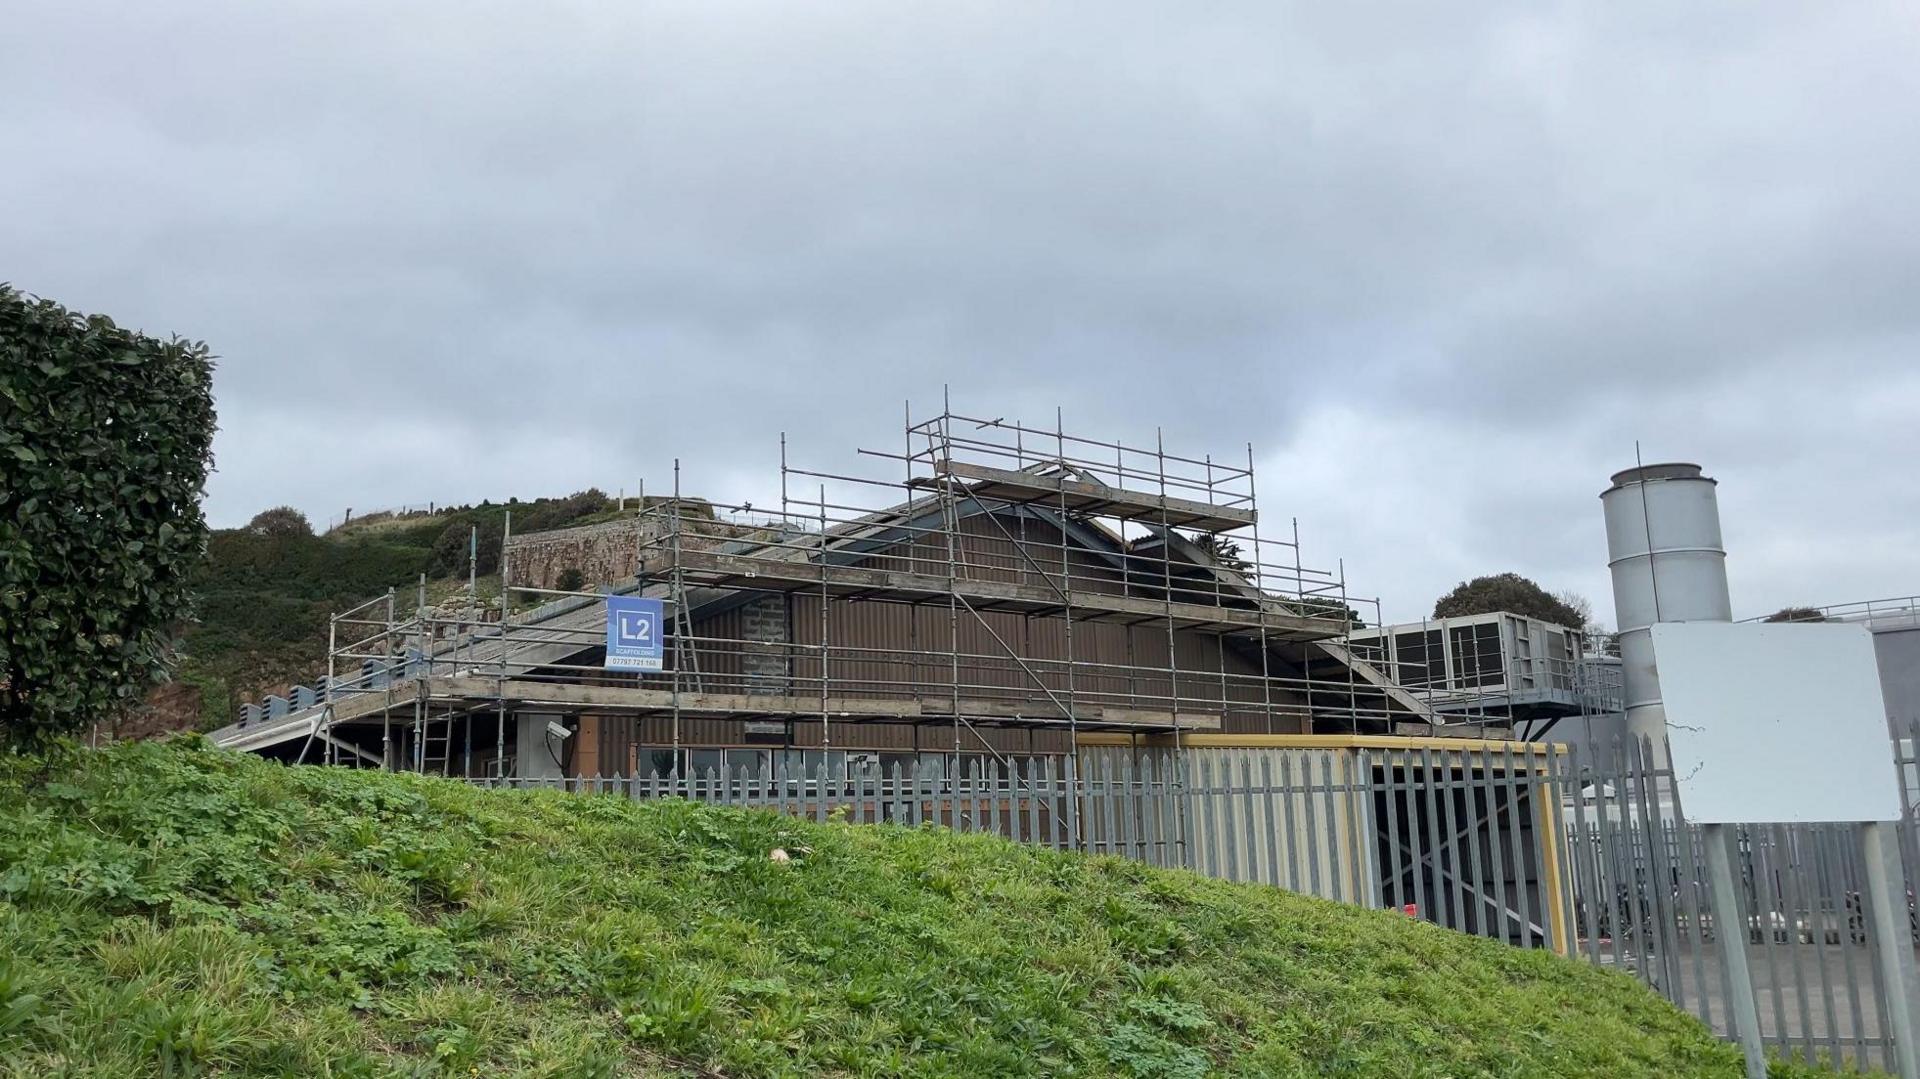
(1664, 548)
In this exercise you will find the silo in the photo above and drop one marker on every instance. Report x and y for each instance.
(1664, 548)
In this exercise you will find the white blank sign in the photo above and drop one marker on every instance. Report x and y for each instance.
(1776, 722)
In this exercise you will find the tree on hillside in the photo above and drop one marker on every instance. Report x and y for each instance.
(450, 551)
(280, 521)
(105, 441)
(1578, 604)
(1513, 593)
(1796, 614)
(549, 513)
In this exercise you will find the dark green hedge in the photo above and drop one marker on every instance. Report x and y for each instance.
(310, 567)
(105, 442)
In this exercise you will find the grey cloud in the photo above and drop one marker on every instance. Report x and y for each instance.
(1442, 266)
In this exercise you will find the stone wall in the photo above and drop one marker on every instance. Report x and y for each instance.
(606, 553)
(765, 622)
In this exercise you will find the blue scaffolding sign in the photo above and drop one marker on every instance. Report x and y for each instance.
(635, 626)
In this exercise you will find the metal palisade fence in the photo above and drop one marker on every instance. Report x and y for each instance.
(1297, 821)
(1642, 905)
(1581, 848)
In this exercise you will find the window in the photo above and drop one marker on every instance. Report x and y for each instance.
(754, 763)
(661, 761)
(652, 760)
(814, 763)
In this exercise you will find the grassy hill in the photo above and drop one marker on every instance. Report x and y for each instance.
(170, 909)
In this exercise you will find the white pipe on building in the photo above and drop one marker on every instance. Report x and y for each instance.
(1669, 565)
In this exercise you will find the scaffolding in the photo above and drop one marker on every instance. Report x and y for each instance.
(991, 517)
(987, 585)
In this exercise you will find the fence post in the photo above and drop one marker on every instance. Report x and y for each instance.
(1266, 812)
(1167, 811)
(1310, 830)
(1731, 926)
(1033, 832)
(1336, 875)
(1070, 797)
(1229, 824)
(996, 788)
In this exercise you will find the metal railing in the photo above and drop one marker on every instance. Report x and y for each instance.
(1904, 610)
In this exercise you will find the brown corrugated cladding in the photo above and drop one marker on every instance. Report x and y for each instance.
(879, 649)
(879, 645)
(719, 661)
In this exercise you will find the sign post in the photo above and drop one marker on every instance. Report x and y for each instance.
(1742, 1008)
(1893, 935)
(1750, 744)
(635, 626)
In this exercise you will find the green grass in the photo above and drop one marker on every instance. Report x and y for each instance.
(170, 909)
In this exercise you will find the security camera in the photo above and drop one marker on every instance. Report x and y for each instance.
(555, 730)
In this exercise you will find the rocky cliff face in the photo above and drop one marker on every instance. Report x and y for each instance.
(609, 552)
(605, 553)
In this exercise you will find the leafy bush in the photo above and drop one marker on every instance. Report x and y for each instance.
(280, 521)
(262, 603)
(562, 512)
(105, 442)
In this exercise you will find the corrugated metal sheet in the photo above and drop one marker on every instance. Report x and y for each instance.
(1301, 819)
(892, 650)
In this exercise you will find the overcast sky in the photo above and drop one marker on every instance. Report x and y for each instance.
(1440, 264)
